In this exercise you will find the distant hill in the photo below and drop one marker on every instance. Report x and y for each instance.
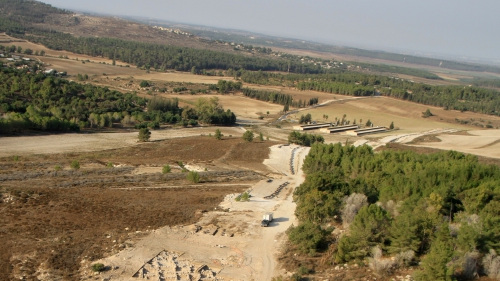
(20, 16)
(250, 38)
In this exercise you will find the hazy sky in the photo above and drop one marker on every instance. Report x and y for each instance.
(469, 28)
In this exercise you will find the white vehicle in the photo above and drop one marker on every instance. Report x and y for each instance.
(267, 219)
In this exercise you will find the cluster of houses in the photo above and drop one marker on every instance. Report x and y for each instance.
(176, 31)
(14, 58)
(20, 62)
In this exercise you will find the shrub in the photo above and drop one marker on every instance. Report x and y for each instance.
(303, 270)
(192, 122)
(491, 264)
(261, 137)
(144, 84)
(109, 165)
(404, 259)
(245, 197)
(218, 134)
(57, 168)
(378, 264)
(427, 113)
(193, 177)
(470, 264)
(144, 134)
(248, 136)
(16, 158)
(308, 237)
(75, 165)
(166, 169)
(352, 205)
(97, 267)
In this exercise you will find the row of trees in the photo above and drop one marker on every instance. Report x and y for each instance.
(440, 209)
(278, 98)
(268, 96)
(304, 139)
(224, 86)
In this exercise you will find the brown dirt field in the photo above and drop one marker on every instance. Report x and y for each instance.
(181, 77)
(74, 67)
(247, 155)
(52, 221)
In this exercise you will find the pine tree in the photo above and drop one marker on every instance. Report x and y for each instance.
(218, 134)
(435, 263)
(261, 137)
(248, 136)
(403, 234)
(366, 231)
(144, 135)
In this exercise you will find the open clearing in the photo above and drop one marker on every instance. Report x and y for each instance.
(229, 243)
(484, 143)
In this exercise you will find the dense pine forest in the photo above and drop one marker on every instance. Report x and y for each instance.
(439, 210)
(41, 102)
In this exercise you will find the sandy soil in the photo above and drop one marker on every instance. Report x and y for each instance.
(250, 254)
(483, 143)
(81, 142)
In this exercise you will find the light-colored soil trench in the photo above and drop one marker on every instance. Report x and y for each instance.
(227, 243)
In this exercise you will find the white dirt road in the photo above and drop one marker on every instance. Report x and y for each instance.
(230, 244)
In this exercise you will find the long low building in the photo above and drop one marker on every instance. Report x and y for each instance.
(312, 126)
(338, 129)
(366, 131)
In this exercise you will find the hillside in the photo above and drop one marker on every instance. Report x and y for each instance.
(46, 17)
(38, 15)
